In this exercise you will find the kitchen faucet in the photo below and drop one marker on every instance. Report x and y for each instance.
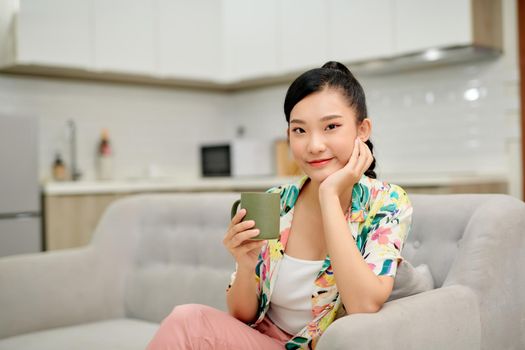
(75, 173)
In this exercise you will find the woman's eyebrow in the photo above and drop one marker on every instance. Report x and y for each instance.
(325, 118)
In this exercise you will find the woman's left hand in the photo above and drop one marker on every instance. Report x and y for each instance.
(340, 181)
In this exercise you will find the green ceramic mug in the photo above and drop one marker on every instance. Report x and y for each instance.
(264, 209)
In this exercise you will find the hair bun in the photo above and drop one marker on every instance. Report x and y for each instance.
(337, 66)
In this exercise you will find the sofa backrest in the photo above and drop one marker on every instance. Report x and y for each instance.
(179, 256)
(444, 227)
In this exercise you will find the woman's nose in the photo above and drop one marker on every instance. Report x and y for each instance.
(316, 144)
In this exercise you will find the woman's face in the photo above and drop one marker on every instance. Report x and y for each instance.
(324, 127)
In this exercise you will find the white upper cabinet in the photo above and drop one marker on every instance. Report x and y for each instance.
(250, 38)
(425, 24)
(55, 33)
(124, 36)
(233, 43)
(303, 34)
(360, 29)
(8, 10)
(189, 35)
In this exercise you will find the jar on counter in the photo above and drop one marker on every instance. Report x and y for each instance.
(59, 169)
(104, 157)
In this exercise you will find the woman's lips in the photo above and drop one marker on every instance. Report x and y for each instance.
(321, 163)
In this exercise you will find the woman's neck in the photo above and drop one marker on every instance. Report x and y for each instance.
(311, 195)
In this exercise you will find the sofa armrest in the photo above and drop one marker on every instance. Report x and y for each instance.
(54, 289)
(443, 318)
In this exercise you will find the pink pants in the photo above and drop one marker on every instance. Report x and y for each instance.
(195, 326)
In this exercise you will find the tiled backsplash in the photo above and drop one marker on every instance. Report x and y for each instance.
(450, 119)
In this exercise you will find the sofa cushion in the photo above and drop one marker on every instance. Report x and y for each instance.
(153, 291)
(115, 334)
(411, 280)
(179, 256)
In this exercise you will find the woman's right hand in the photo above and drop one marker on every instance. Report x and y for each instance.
(238, 241)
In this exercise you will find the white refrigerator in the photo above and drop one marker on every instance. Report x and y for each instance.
(20, 199)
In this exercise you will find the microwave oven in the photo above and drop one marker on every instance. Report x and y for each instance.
(241, 157)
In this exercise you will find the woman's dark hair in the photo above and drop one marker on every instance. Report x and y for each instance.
(336, 76)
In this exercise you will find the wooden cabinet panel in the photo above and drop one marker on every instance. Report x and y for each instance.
(490, 187)
(71, 220)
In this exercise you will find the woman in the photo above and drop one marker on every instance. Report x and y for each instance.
(342, 232)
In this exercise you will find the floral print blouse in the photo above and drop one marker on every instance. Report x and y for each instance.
(379, 219)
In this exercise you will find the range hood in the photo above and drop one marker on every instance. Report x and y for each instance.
(431, 58)
(426, 59)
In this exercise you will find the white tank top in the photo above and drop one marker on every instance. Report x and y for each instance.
(290, 303)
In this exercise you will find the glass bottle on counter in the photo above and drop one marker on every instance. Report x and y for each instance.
(104, 157)
(59, 169)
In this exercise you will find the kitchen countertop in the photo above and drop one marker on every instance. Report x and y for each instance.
(251, 183)
(163, 184)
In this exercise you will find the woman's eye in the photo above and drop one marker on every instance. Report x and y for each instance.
(332, 126)
(296, 130)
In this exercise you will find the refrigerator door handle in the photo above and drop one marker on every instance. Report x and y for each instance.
(19, 215)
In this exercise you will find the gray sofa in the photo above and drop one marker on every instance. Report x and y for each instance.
(152, 252)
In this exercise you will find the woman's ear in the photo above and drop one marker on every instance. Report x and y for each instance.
(364, 130)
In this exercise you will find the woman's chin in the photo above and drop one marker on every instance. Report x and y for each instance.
(318, 175)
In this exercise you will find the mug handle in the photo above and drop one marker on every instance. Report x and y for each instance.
(235, 206)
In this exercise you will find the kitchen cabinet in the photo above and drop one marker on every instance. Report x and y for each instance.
(426, 24)
(303, 34)
(250, 36)
(483, 187)
(359, 30)
(231, 44)
(288, 37)
(125, 36)
(71, 220)
(189, 39)
(55, 33)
